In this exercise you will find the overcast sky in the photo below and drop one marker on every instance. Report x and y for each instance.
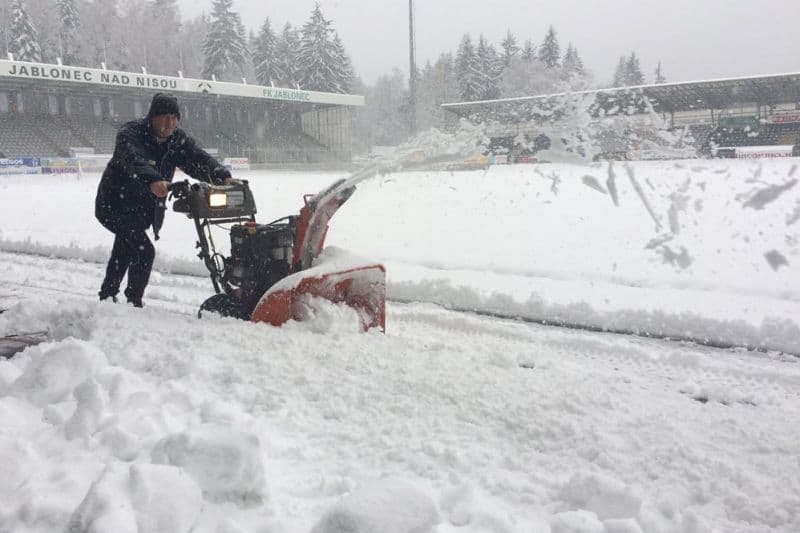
(695, 39)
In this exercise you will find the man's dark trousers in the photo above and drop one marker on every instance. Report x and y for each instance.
(133, 252)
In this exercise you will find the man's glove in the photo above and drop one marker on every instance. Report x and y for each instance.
(221, 175)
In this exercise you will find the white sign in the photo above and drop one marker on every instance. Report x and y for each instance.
(94, 76)
(19, 170)
(237, 163)
(757, 152)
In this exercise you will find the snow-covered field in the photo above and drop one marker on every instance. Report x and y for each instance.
(150, 420)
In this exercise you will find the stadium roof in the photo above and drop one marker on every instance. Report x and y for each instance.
(20, 71)
(667, 97)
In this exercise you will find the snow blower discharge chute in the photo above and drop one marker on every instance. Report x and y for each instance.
(271, 275)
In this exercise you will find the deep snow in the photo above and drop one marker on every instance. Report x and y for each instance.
(150, 420)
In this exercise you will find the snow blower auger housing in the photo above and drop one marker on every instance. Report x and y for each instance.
(271, 274)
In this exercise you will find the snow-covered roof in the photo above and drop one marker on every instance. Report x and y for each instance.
(48, 73)
(667, 97)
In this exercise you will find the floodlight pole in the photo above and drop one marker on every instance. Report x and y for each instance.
(412, 69)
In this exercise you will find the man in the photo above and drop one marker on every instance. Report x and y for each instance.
(130, 197)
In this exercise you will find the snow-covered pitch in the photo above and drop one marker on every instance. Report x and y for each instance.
(453, 421)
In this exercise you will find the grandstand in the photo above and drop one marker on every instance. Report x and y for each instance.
(726, 117)
(55, 111)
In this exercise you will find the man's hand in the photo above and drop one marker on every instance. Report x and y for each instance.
(159, 188)
(228, 181)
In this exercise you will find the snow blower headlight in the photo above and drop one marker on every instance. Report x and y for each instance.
(217, 199)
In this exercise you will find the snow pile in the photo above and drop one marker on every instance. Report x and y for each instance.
(139, 499)
(387, 505)
(54, 371)
(152, 454)
(224, 462)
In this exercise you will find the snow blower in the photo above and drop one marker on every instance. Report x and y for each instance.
(274, 272)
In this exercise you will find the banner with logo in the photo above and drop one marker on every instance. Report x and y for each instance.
(60, 165)
(786, 118)
(20, 162)
(20, 165)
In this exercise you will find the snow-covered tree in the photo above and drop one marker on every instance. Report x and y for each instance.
(317, 56)
(68, 32)
(620, 73)
(490, 69)
(633, 71)
(345, 74)
(225, 45)
(22, 39)
(659, 75)
(436, 85)
(386, 108)
(528, 51)
(572, 62)
(189, 50)
(148, 28)
(104, 44)
(530, 78)
(286, 48)
(510, 48)
(468, 70)
(550, 51)
(264, 60)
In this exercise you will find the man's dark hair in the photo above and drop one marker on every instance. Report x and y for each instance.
(164, 104)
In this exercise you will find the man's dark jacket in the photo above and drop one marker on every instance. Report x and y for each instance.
(124, 200)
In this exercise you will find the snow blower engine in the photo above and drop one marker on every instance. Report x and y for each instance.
(271, 275)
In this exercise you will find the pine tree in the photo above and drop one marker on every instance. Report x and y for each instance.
(317, 54)
(23, 41)
(264, 60)
(68, 32)
(467, 70)
(160, 25)
(490, 69)
(550, 51)
(189, 50)
(345, 74)
(104, 44)
(286, 47)
(572, 63)
(621, 73)
(225, 45)
(659, 75)
(436, 85)
(386, 109)
(509, 46)
(529, 52)
(634, 71)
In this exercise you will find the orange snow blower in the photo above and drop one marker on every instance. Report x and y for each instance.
(276, 271)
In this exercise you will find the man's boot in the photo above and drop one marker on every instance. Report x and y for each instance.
(105, 296)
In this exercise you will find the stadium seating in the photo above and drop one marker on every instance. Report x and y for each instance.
(40, 135)
(99, 133)
(21, 136)
(764, 135)
(64, 136)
